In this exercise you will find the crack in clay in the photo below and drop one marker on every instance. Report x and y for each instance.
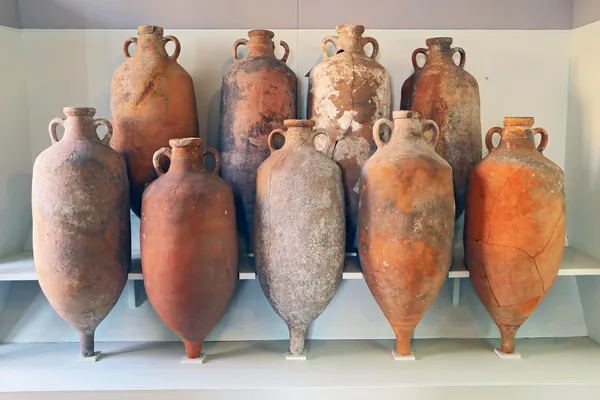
(539, 275)
(148, 88)
(504, 246)
(527, 254)
(67, 158)
(342, 135)
(552, 235)
(491, 289)
(352, 101)
(496, 200)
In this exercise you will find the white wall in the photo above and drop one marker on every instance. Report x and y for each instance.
(583, 144)
(15, 153)
(583, 163)
(519, 72)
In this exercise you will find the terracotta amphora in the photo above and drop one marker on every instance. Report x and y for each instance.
(406, 222)
(189, 242)
(514, 225)
(152, 100)
(444, 92)
(299, 228)
(259, 92)
(348, 92)
(81, 228)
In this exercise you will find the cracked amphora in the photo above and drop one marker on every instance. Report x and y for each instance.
(152, 100)
(514, 225)
(348, 92)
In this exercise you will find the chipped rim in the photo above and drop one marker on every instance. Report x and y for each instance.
(406, 114)
(185, 142)
(358, 29)
(303, 123)
(150, 30)
(439, 41)
(79, 111)
(519, 121)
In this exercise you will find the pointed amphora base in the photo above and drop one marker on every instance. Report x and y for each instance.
(403, 338)
(508, 333)
(193, 350)
(86, 343)
(297, 336)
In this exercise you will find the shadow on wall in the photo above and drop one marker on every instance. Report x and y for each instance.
(23, 300)
(15, 216)
(213, 121)
(582, 177)
(208, 106)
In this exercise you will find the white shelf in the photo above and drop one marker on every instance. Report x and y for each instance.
(255, 366)
(20, 267)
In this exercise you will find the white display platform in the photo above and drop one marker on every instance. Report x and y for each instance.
(258, 367)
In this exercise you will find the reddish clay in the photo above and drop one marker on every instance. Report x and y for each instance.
(81, 228)
(406, 222)
(189, 243)
(514, 226)
(449, 95)
(259, 92)
(152, 101)
(348, 92)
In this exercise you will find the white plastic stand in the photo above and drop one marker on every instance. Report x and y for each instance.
(505, 356)
(410, 357)
(301, 357)
(199, 360)
(90, 359)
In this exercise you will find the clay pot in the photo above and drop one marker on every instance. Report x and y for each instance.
(81, 228)
(444, 92)
(152, 100)
(348, 92)
(406, 222)
(189, 243)
(514, 225)
(299, 229)
(259, 92)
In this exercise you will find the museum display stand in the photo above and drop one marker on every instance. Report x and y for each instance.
(550, 75)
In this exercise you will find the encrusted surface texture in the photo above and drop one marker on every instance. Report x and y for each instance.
(258, 93)
(299, 228)
(81, 226)
(348, 92)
